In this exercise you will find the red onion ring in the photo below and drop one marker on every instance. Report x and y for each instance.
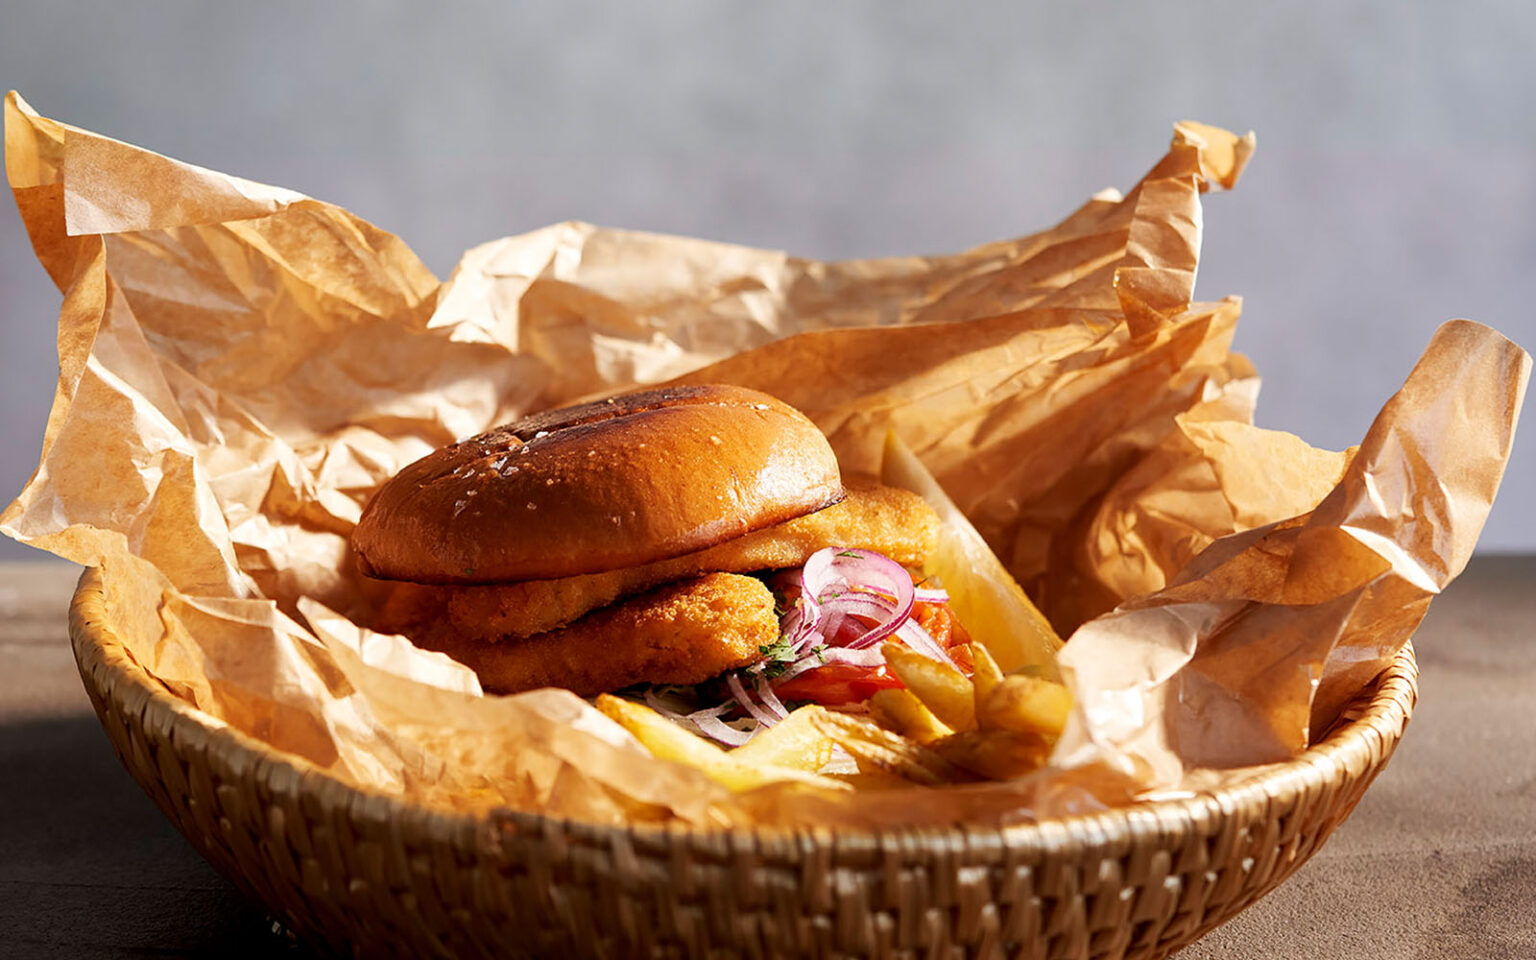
(921, 642)
(803, 624)
(763, 717)
(715, 729)
(832, 574)
(770, 699)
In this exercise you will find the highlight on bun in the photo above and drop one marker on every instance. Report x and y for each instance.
(630, 480)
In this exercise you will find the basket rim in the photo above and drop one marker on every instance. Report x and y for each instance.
(1373, 723)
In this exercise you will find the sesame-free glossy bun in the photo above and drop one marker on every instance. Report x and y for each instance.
(633, 479)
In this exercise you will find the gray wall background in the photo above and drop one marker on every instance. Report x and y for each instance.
(1394, 186)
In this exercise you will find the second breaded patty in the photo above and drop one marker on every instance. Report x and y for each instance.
(683, 633)
(887, 520)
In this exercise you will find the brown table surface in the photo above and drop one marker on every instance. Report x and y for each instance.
(1439, 860)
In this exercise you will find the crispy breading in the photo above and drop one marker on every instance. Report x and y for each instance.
(682, 633)
(894, 522)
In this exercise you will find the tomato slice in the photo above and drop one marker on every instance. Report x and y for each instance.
(836, 684)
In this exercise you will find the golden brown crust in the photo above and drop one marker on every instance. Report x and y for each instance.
(631, 480)
(684, 633)
(891, 521)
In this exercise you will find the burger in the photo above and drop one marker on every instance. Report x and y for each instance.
(699, 538)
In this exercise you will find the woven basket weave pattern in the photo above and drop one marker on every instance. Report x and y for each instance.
(368, 875)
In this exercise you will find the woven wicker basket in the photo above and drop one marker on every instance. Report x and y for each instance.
(366, 874)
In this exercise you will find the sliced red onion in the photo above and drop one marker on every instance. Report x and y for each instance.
(660, 706)
(930, 596)
(859, 658)
(795, 669)
(803, 624)
(835, 566)
(817, 575)
(770, 699)
(654, 701)
(733, 680)
(804, 640)
(918, 639)
(847, 581)
(806, 611)
(873, 606)
(871, 571)
(831, 624)
(707, 720)
(715, 729)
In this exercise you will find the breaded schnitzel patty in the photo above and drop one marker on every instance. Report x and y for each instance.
(683, 633)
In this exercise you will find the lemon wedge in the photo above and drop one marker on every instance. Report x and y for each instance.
(994, 609)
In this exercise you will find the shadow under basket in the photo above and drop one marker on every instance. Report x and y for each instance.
(354, 872)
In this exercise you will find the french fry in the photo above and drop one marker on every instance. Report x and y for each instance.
(659, 735)
(996, 754)
(794, 742)
(879, 751)
(667, 741)
(901, 712)
(1025, 704)
(942, 689)
(1003, 725)
(986, 677)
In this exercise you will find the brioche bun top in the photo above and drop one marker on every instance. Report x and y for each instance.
(599, 486)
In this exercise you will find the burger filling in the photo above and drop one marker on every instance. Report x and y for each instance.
(835, 613)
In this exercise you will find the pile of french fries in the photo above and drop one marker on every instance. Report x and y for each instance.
(941, 727)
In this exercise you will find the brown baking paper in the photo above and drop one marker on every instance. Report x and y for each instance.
(241, 365)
